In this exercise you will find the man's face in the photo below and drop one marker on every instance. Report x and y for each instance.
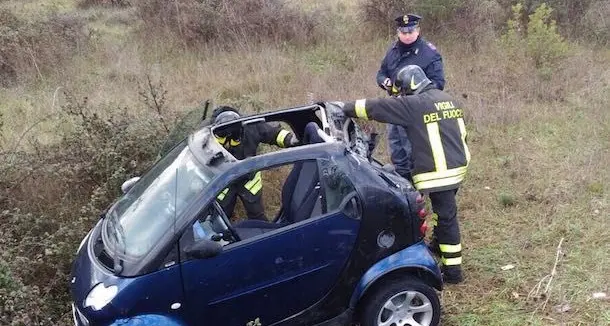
(408, 37)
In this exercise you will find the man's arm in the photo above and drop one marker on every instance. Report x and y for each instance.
(274, 134)
(394, 110)
(382, 73)
(435, 72)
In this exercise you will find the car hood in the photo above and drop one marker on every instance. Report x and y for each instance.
(90, 272)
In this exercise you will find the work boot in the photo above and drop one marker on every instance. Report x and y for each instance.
(452, 274)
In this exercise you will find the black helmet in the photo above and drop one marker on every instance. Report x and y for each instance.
(224, 114)
(411, 80)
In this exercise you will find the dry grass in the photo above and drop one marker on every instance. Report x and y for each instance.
(540, 146)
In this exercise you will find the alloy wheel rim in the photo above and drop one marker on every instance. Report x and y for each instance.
(410, 308)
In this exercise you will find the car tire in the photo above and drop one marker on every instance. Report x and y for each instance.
(405, 302)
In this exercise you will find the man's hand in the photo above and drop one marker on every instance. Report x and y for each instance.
(293, 141)
(334, 110)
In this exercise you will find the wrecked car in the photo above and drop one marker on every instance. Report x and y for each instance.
(344, 245)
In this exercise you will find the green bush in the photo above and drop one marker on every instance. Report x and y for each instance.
(538, 39)
(51, 196)
(470, 19)
(506, 199)
(544, 44)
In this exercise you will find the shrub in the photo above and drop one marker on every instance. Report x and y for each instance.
(595, 22)
(506, 200)
(226, 21)
(544, 44)
(539, 39)
(439, 16)
(577, 19)
(104, 3)
(52, 194)
(36, 48)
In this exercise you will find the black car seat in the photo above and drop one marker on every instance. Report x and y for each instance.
(301, 194)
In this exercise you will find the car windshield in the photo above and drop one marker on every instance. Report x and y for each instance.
(140, 218)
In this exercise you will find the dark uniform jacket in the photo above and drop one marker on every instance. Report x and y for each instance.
(420, 53)
(246, 145)
(435, 126)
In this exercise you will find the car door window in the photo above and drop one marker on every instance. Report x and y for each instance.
(281, 193)
(337, 186)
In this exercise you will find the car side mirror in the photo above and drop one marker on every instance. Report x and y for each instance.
(203, 248)
(128, 184)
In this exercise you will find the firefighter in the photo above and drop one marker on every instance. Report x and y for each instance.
(409, 49)
(435, 124)
(243, 143)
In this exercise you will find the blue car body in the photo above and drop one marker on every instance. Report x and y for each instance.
(312, 272)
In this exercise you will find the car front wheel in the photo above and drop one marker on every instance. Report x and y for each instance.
(401, 303)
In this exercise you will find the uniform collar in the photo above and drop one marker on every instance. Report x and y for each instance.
(408, 47)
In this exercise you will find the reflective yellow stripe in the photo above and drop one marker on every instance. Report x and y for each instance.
(257, 178)
(281, 136)
(223, 141)
(256, 188)
(434, 135)
(221, 196)
(450, 249)
(422, 185)
(464, 133)
(451, 261)
(255, 185)
(430, 176)
(360, 108)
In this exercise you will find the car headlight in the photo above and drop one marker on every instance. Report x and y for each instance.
(100, 296)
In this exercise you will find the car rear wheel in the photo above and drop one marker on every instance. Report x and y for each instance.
(402, 303)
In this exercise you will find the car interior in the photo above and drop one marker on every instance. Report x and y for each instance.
(296, 120)
(300, 197)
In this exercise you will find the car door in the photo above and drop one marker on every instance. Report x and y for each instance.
(272, 276)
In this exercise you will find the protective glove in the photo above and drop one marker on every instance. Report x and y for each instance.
(292, 140)
(334, 110)
(387, 83)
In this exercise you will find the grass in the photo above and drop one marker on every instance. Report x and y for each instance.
(36, 9)
(540, 153)
(537, 176)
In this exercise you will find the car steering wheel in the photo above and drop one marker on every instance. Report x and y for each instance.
(227, 222)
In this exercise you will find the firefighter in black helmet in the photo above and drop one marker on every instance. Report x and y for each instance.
(243, 143)
(435, 124)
